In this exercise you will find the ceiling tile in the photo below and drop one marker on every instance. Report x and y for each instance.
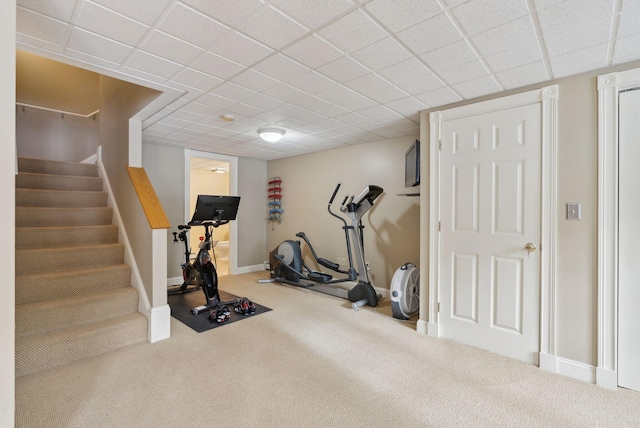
(61, 10)
(430, 35)
(295, 112)
(168, 47)
(313, 52)
(320, 106)
(576, 39)
(263, 102)
(272, 28)
(153, 65)
(100, 47)
(281, 68)
(230, 12)
(370, 82)
(346, 98)
(462, 73)
(404, 71)
(524, 75)
(353, 32)
(574, 15)
(406, 106)
(145, 11)
(254, 80)
(285, 92)
(481, 15)
(477, 87)
(525, 54)
(192, 26)
(196, 79)
(99, 61)
(343, 69)
(381, 54)
(579, 61)
(143, 75)
(26, 40)
(629, 19)
(40, 27)
(240, 49)
(312, 82)
(215, 101)
(386, 95)
(511, 35)
(217, 66)
(399, 18)
(233, 91)
(627, 49)
(449, 56)
(313, 14)
(438, 97)
(102, 21)
(421, 84)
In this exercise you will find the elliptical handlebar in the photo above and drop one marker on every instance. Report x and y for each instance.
(335, 192)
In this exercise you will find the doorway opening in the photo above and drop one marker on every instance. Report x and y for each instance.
(212, 174)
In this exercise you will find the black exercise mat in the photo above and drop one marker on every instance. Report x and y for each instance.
(181, 305)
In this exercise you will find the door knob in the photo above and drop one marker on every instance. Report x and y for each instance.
(530, 247)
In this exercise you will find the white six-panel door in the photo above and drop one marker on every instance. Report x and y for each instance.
(489, 215)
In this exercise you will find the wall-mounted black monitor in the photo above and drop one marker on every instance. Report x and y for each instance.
(412, 165)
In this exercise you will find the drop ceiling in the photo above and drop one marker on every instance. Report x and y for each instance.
(331, 73)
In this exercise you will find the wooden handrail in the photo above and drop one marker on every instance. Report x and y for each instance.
(151, 205)
(62, 112)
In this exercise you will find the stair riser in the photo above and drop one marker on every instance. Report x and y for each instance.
(55, 237)
(58, 182)
(35, 288)
(40, 166)
(68, 346)
(43, 317)
(46, 217)
(65, 259)
(59, 198)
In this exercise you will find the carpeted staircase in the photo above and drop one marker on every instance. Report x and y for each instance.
(73, 293)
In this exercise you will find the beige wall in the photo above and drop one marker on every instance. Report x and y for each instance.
(46, 135)
(391, 231)
(577, 245)
(165, 167)
(118, 102)
(7, 212)
(252, 234)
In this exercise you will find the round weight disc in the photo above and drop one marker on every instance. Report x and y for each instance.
(285, 249)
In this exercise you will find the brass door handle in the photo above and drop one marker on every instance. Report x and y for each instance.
(530, 247)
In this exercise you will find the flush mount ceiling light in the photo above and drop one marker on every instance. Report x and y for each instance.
(219, 170)
(271, 135)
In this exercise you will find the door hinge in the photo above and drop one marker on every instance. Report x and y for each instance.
(439, 227)
(440, 145)
(438, 306)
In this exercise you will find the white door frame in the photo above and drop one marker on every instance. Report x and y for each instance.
(547, 97)
(609, 85)
(233, 190)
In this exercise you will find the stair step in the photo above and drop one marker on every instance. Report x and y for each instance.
(28, 180)
(44, 351)
(60, 198)
(35, 216)
(49, 315)
(41, 166)
(43, 286)
(46, 260)
(67, 236)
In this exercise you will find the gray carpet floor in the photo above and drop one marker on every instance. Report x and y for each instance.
(311, 362)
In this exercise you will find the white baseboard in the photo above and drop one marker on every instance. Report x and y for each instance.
(248, 269)
(548, 362)
(176, 280)
(422, 327)
(573, 369)
(91, 159)
(606, 378)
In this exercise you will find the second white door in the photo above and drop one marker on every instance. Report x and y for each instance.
(490, 231)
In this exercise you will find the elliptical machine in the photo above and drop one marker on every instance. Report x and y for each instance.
(211, 212)
(288, 266)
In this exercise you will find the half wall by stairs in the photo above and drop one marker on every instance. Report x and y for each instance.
(73, 294)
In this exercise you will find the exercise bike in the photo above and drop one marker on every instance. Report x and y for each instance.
(288, 266)
(211, 212)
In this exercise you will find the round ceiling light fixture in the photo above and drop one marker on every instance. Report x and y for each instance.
(271, 135)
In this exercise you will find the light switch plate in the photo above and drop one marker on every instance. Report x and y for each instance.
(574, 211)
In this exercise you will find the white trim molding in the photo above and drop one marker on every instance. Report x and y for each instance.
(547, 98)
(609, 86)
